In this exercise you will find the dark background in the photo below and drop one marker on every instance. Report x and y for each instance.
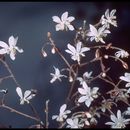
(31, 21)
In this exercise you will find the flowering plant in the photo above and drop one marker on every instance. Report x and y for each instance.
(89, 104)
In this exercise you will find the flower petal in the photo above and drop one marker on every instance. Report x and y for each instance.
(70, 19)
(56, 19)
(12, 55)
(71, 48)
(3, 51)
(71, 28)
(12, 41)
(3, 44)
(62, 108)
(82, 99)
(93, 30)
(64, 16)
(19, 92)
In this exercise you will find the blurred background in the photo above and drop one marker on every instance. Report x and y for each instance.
(31, 21)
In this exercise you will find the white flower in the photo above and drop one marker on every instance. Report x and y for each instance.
(122, 54)
(56, 75)
(77, 52)
(97, 34)
(64, 22)
(28, 95)
(62, 115)
(74, 123)
(126, 78)
(11, 48)
(110, 18)
(88, 94)
(119, 121)
(86, 75)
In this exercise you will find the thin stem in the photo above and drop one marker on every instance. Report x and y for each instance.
(9, 70)
(60, 54)
(20, 113)
(34, 111)
(72, 86)
(47, 111)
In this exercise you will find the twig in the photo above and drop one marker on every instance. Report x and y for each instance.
(46, 111)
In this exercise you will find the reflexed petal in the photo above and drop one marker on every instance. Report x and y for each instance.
(54, 117)
(59, 27)
(112, 12)
(22, 102)
(3, 44)
(64, 16)
(92, 38)
(19, 50)
(12, 55)
(127, 85)
(3, 51)
(67, 111)
(68, 51)
(102, 40)
(56, 19)
(93, 30)
(12, 41)
(81, 91)
(90, 34)
(70, 121)
(107, 13)
(71, 18)
(95, 89)
(87, 123)
(119, 114)
(19, 92)
(78, 46)
(88, 102)
(53, 79)
(82, 99)
(27, 93)
(62, 108)
(71, 28)
(124, 78)
(109, 123)
(113, 118)
(57, 71)
(84, 49)
(106, 31)
(127, 75)
(71, 48)
(85, 86)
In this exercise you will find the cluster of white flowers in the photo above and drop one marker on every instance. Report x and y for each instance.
(110, 18)
(106, 20)
(97, 35)
(86, 93)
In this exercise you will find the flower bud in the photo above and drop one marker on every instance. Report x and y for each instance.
(103, 74)
(70, 79)
(106, 56)
(44, 53)
(53, 51)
